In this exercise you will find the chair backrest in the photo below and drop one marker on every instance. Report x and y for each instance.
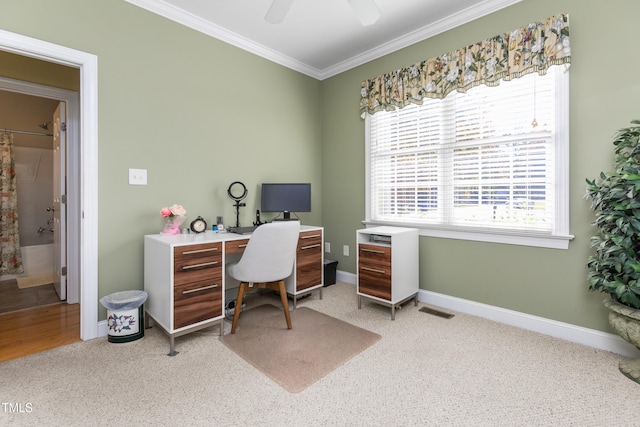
(270, 253)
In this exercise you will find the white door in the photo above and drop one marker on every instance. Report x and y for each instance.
(59, 202)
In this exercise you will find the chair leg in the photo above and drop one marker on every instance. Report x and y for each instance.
(285, 302)
(236, 314)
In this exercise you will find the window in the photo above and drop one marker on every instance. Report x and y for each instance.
(490, 164)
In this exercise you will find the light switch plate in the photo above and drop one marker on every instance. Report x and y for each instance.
(137, 177)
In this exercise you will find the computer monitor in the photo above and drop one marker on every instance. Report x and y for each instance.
(286, 198)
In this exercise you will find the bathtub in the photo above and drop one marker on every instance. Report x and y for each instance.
(37, 261)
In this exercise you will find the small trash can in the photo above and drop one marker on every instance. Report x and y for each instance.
(330, 272)
(125, 315)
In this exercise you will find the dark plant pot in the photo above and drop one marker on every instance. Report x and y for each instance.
(625, 321)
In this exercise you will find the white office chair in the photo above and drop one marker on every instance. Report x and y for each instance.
(267, 260)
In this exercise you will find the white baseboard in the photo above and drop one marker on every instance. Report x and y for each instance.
(343, 276)
(103, 328)
(566, 331)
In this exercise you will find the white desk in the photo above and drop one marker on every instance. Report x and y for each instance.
(185, 277)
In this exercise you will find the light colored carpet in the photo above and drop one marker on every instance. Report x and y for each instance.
(298, 357)
(425, 371)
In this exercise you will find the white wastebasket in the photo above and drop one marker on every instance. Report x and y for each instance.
(125, 315)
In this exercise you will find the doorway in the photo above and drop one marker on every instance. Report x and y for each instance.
(40, 168)
(82, 201)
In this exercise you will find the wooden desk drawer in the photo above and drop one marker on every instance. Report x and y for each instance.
(309, 260)
(197, 270)
(202, 250)
(196, 302)
(183, 278)
(374, 270)
(374, 254)
(235, 246)
(196, 263)
(309, 240)
(374, 280)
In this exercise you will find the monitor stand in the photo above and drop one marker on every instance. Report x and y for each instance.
(286, 216)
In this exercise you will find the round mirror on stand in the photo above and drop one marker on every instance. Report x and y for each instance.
(237, 191)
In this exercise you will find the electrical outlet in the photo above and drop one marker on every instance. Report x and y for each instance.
(345, 250)
(327, 247)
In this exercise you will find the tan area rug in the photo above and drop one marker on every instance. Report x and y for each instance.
(298, 357)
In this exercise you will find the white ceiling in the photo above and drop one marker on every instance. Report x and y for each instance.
(324, 37)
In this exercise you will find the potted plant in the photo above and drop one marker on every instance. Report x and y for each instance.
(614, 268)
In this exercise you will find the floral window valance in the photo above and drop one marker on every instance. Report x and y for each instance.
(529, 49)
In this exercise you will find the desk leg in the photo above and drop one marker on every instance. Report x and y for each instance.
(172, 346)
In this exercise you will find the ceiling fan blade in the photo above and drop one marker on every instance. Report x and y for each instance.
(367, 11)
(277, 11)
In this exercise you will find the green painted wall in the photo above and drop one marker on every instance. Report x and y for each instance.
(604, 93)
(181, 105)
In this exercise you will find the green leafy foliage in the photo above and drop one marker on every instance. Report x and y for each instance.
(615, 198)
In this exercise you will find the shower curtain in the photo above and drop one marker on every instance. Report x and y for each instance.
(10, 259)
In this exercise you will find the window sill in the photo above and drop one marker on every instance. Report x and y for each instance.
(539, 240)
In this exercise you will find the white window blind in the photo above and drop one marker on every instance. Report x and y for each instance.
(474, 161)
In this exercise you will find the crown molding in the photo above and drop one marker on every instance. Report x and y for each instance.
(452, 21)
(192, 21)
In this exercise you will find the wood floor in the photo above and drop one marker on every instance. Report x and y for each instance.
(37, 329)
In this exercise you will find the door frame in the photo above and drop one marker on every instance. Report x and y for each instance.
(86, 214)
